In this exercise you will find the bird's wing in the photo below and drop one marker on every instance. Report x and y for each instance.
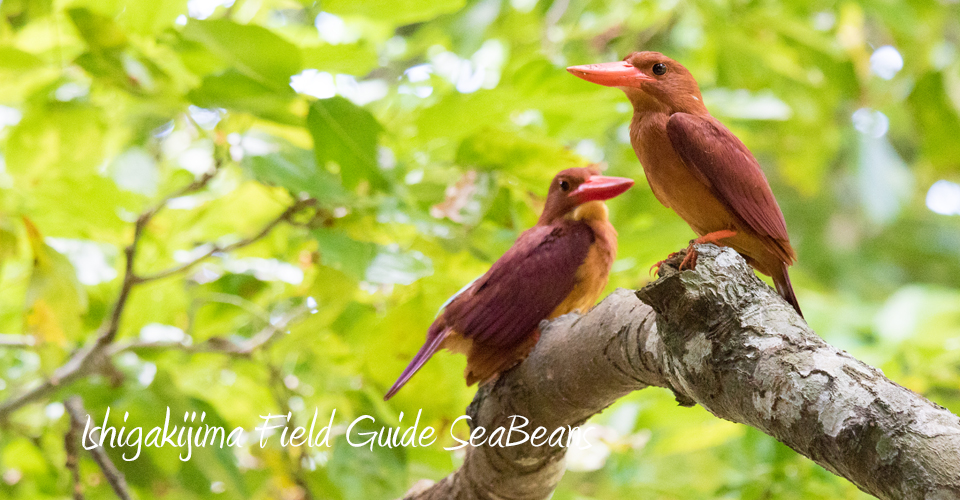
(435, 336)
(523, 287)
(721, 161)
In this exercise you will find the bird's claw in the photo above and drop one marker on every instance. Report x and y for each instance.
(654, 269)
(690, 259)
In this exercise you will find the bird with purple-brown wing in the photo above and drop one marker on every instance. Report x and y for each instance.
(558, 266)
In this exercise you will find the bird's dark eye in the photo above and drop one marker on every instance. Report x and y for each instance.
(659, 69)
(564, 186)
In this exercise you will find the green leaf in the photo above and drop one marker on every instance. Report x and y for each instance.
(252, 50)
(339, 251)
(398, 268)
(8, 241)
(354, 59)
(362, 473)
(371, 262)
(235, 91)
(21, 12)
(536, 160)
(56, 140)
(197, 57)
(346, 134)
(24, 455)
(55, 298)
(142, 17)
(14, 59)
(88, 206)
(106, 66)
(295, 169)
(100, 32)
(937, 120)
(400, 11)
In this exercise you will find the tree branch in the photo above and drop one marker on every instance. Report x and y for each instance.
(221, 345)
(71, 439)
(721, 338)
(86, 359)
(77, 413)
(8, 340)
(217, 248)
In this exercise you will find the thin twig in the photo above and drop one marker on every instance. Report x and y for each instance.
(221, 345)
(73, 457)
(278, 386)
(79, 365)
(84, 360)
(217, 248)
(238, 301)
(77, 413)
(109, 330)
(17, 341)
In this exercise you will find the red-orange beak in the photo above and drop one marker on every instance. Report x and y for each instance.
(600, 187)
(611, 74)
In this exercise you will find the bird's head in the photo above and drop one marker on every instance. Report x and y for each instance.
(575, 187)
(651, 80)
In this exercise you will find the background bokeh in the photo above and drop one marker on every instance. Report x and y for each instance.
(427, 131)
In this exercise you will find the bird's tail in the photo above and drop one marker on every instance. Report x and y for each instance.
(435, 337)
(785, 289)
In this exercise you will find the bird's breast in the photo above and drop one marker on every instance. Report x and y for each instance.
(593, 273)
(672, 181)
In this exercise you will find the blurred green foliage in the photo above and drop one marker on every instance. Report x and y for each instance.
(438, 126)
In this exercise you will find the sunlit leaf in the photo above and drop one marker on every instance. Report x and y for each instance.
(62, 136)
(296, 169)
(197, 56)
(150, 17)
(938, 122)
(362, 473)
(744, 105)
(8, 240)
(400, 12)
(400, 268)
(55, 298)
(252, 50)
(15, 59)
(353, 59)
(346, 134)
(537, 160)
(100, 32)
(343, 253)
(369, 261)
(20, 12)
(885, 182)
(235, 91)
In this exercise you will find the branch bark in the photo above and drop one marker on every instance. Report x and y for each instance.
(718, 337)
(70, 441)
(17, 341)
(114, 477)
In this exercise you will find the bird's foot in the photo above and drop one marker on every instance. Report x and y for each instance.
(690, 260)
(654, 269)
(714, 237)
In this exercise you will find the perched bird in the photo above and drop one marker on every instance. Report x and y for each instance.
(557, 266)
(696, 166)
